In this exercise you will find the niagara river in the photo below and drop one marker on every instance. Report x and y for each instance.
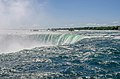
(84, 54)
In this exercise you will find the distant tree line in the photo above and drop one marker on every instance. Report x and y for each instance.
(88, 28)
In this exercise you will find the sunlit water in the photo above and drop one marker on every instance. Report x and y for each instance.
(60, 55)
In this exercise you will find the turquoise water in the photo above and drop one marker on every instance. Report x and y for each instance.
(66, 55)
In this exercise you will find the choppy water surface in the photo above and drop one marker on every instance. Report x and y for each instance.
(76, 55)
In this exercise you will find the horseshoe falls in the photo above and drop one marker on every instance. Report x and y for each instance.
(17, 41)
(60, 55)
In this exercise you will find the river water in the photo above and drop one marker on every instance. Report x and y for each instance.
(60, 55)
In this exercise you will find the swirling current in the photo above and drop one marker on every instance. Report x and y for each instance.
(76, 55)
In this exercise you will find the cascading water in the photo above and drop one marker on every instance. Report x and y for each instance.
(55, 39)
(22, 41)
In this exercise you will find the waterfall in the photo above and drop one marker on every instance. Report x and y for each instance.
(22, 41)
(55, 39)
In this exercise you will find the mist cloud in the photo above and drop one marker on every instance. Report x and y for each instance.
(23, 13)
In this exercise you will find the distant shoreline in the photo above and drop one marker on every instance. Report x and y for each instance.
(70, 29)
(88, 28)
